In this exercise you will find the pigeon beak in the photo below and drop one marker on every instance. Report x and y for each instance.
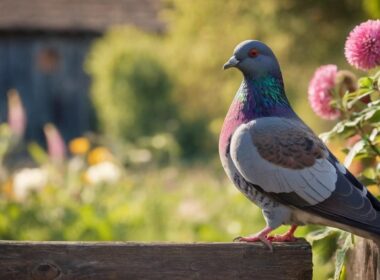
(232, 62)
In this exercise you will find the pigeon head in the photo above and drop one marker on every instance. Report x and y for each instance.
(254, 59)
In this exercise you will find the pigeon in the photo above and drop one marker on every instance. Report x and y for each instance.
(278, 162)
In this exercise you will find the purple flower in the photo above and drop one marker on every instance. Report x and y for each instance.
(362, 48)
(320, 92)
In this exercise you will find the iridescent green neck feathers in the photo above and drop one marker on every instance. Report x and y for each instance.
(264, 96)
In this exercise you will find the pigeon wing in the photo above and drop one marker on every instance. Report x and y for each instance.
(291, 164)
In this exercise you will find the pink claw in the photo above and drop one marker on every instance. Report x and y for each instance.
(260, 236)
(267, 240)
(286, 237)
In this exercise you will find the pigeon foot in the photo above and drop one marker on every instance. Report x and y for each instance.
(260, 236)
(286, 237)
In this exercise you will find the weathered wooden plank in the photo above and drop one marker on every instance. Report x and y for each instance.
(363, 262)
(126, 260)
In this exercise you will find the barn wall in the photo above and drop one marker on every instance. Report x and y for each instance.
(47, 70)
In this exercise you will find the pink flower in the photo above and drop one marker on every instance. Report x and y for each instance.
(362, 48)
(55, 143)
(320, 92)
(16, 113)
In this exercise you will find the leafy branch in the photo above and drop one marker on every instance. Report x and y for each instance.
(359, 127)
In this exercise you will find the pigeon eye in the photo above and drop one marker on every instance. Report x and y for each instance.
(253, 53)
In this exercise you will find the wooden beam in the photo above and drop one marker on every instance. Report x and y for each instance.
(363, 261)
(127, 260)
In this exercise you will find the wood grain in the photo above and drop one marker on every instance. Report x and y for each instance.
(127, 260)
(363, 261)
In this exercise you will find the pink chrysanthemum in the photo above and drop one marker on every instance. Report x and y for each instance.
(320, 92)
(362, 48)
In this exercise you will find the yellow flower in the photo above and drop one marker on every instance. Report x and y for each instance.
(8, 188)
(374, 189)
(98, 155)
(79, 146)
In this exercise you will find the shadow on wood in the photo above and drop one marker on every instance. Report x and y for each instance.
(127, 260)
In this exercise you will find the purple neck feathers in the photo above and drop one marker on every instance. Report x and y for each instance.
(256, 98)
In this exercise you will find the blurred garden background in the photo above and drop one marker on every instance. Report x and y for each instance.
(110, 111)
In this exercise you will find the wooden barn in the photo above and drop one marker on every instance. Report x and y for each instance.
(43, 45)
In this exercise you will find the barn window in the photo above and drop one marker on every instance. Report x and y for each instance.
(48, 60)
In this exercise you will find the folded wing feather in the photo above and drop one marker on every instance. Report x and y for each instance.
(284, 156)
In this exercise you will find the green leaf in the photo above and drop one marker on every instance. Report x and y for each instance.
(365, 82)
(320, 234)
(324, 242)
(357, 98)
(373, 134)
(357, 148)
(351, 123)
(341, 254)
(344, 128)
(37, 153)
(375, 95)
(367, 181)
(347, 128)
(326, 136)
(373, 114)
(348, 96)
(369, 173)
(374, 103)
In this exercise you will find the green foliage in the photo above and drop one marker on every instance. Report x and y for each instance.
(195, 139)
(203, 34)
(328, 242)
(166, 95)
(359, 124)
(90, 196)
(361, 116)
(143, 81)
(347, 240)
(131, 87)
(372, 7)
(5, 140)
(150, 205)
(324, 241)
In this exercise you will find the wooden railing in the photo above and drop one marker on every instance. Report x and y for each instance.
(128, 260)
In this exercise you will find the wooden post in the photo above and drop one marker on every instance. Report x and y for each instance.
(126, 260)
(363, 261)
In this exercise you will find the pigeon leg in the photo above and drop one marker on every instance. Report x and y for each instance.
(286, 237)
(260, 236)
